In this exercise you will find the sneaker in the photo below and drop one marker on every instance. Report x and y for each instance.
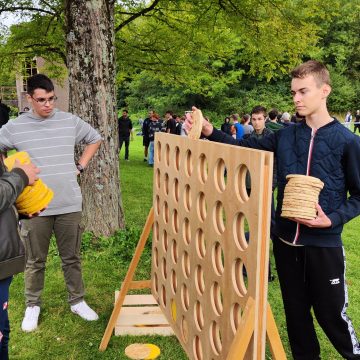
(31, 318)
(145, 159)
(84, 311)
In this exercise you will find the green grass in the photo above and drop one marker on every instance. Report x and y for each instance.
(62, 335)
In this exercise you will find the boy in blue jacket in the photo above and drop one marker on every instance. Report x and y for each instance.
(309, 254)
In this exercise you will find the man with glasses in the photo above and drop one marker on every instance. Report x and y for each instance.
(50, 136)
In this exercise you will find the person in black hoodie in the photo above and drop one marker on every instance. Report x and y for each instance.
(309, 254)
(226, 126)
(124, 128)
(12, 253)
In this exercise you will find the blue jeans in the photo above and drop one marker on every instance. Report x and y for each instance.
(4, 318)
(151, 153)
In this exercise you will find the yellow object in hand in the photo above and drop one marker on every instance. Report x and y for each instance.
(34, 198)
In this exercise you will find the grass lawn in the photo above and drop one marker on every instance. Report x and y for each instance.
(62, 335)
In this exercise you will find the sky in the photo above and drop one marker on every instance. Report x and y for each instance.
(8, 19)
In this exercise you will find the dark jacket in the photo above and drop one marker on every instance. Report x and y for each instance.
(154, 127)
(334, 160)
(12, 257)
(254, 134)
(124, 127)
(226, 127)
(4, 114)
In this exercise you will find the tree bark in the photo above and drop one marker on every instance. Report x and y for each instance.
(92, 96)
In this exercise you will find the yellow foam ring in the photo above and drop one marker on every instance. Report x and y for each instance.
(173, 309)
(39, 206)
(34, 199)
(38, 184)
(22, 156)
(31, 197)
(154, 351)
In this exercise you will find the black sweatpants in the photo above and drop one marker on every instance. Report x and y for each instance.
(126, 140)
(314, 277)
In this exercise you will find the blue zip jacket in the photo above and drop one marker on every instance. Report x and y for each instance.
(334, 159)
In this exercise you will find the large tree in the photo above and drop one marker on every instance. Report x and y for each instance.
(88, 30)
(91, 64)
(204, 46)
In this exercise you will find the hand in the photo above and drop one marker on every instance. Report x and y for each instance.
(207, 127)
(30, 216)
(321, 221)
(30, 170)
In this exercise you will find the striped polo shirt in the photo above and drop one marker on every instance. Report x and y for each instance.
(50, 142)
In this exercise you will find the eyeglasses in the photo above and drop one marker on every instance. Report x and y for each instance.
(43, 101)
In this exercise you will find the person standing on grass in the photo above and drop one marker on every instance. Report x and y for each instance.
(226, 126)
(239, 129)
(309, 254)
(155, 126)
(124, 129)
(50, 136)
(357, 121)
(170, 122)
(12, 253)
(273, 124)
(145, 134)
(348, 119)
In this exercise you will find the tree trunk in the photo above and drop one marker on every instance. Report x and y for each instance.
(91, 63)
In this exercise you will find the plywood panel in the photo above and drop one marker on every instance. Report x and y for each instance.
(199, 245)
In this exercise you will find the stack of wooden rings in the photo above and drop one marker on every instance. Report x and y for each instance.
(300, 196)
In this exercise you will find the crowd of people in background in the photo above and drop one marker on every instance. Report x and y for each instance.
(356, 119)
(239, 127)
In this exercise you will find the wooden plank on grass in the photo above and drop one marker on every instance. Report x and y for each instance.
(137, 299)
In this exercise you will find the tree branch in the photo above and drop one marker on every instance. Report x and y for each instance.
(48, 48)
(48, 5)
(136, 15)
(25, 8)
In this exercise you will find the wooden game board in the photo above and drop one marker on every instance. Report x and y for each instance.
(199, 246)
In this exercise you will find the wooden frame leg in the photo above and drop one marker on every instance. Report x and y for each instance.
(127, 281)
(273, 337)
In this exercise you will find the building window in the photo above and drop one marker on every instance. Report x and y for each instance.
(29, 69)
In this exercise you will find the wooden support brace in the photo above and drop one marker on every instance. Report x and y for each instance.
(141, 284)
(273, 337)
(127, 281)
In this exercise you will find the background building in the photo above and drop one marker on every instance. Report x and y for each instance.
(35, 66)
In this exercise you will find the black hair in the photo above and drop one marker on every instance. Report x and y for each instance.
(273, 114)
(39, 81)
(125, 111)
(258, 110)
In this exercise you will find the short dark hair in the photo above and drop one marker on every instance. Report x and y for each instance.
(169, 112)
(273, 114)
(314, 68)
(258, 110)
(39, 81)
(245, 118)
(125, 111)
